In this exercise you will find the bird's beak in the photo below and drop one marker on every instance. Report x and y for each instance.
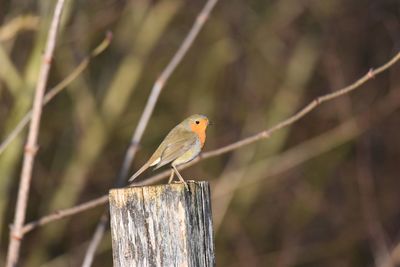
(211, 123)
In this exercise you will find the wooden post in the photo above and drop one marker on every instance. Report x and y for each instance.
(162, 225)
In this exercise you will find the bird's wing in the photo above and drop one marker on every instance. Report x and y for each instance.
(177, 148)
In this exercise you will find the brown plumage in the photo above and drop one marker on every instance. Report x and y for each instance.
(182, 144)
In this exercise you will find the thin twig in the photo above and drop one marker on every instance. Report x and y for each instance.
(56, 90)
(95, 241)
(96, 238)
(246, 141)
(145, 117)
(60, 214)
(31, 145)
(307, 109)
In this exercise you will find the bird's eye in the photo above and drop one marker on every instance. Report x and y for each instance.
(197, 122)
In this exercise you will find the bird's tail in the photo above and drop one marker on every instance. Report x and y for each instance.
(139, 172)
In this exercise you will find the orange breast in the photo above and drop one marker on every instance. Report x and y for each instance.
(202, 137)
(200, 131)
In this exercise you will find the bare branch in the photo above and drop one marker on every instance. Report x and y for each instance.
(375, 230)
(95, 241)
(60, 214)
(300, 114)
(57, 89)
(31, 145)
(261, 135)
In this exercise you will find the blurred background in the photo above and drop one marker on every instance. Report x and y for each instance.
(322, 192)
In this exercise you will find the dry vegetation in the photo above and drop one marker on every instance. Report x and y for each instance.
(323, 191)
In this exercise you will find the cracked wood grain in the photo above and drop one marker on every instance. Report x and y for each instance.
(162, 225)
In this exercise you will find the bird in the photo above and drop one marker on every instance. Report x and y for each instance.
(181, 145)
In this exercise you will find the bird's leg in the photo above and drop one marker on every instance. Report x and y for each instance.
(171, 177)
(180, 177)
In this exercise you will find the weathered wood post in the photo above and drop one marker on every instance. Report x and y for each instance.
(162, 225)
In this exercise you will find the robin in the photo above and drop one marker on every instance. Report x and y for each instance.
(181, 145)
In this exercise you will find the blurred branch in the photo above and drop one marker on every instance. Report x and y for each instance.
(9, 73)
(57, 89)
(14, 26)
(395, 255)
(145, 117)
(31, 148)
(104, 199)
(96, 239)
(370, 211)
(57, 215)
